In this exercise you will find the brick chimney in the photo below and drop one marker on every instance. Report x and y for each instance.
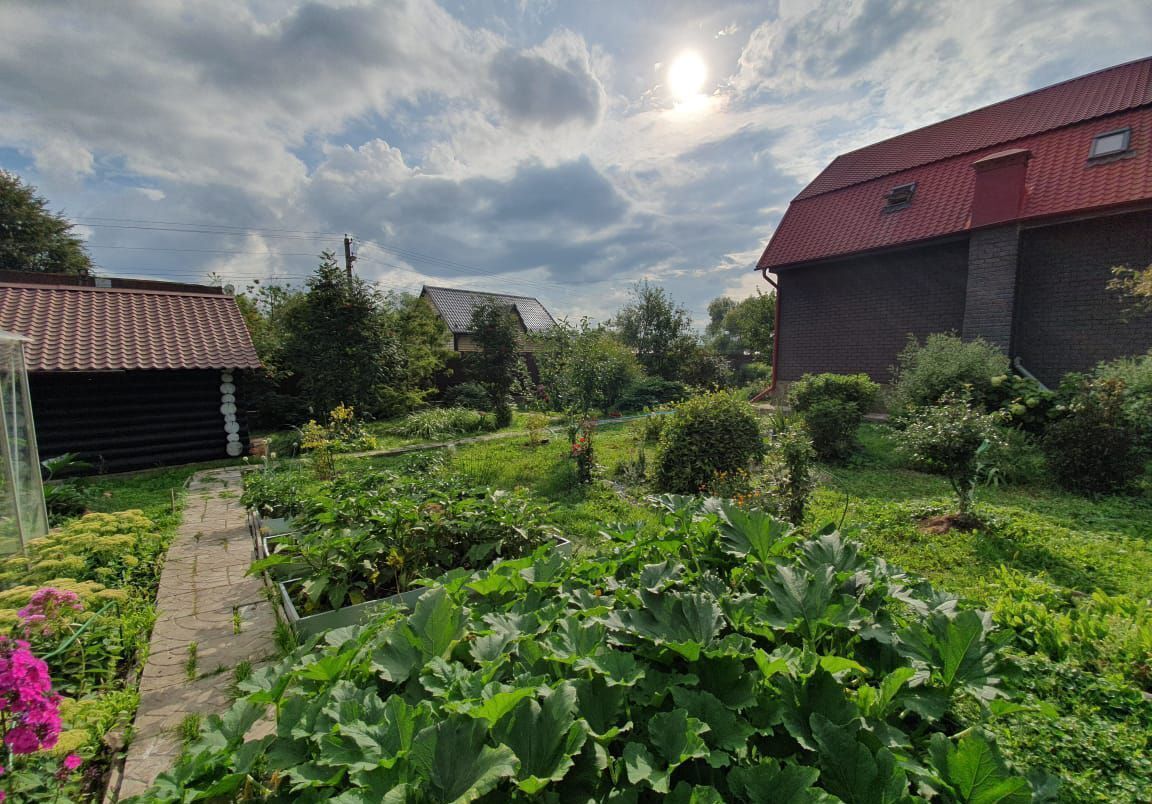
(999, 192)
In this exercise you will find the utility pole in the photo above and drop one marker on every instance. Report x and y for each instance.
(349, 257)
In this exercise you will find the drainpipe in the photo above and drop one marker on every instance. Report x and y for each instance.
(775, 339)
(1025, 372)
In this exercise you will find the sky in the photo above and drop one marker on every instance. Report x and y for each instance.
(563, 150)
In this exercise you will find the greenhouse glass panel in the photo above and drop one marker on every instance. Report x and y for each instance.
(22, 513)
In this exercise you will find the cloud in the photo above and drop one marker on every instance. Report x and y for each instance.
(532, 89)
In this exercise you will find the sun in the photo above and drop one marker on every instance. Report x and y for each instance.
(686, 76)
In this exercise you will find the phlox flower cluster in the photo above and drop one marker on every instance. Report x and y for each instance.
(29, 710)
(47, 610)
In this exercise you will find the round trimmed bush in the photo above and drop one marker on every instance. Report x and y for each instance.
(945, 364)
(471, 395)
(832, 406)
(707, 434)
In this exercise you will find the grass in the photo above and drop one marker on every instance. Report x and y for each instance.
(1098, 731)
(159, 493)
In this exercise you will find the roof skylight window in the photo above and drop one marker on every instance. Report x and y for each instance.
(1110, 143)
(899, 197)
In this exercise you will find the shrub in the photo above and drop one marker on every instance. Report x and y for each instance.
(651, 392)
(1091, 448)
(1136, 374)
(943, 364)
(832, 406)
(754, 373)
(537, 424)
(1026, 403)
(434, 423)
(789, 470)
(948, 438)
(857, 389)
(471, 395)
(707, 434)
(585, 368)
(705, 369)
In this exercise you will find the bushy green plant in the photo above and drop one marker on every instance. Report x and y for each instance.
(832, 407)
(431, 424)
(949, 437)
(717, 657)
(1026, 404)
(710, 433)
(789, 468)
(1013, 459)
(1092, 446)
(584, 368)
(945, 364)
(650, 392)
(471, 395)
(1136, 375)
(271, 490)
(756, 373)
(704, 369)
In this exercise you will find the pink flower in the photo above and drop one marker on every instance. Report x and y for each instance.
(29, 707)
(72, 762)
(48, 609)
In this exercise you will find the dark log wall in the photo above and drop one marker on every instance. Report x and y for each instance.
(133, 419)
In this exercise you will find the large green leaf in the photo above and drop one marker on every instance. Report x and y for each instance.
(955, 652)
(819, 694)
(852, 770)
(781, 784)
(726, 729)
(753, 533)
(456, 762)
(602, 707)
(544, 736)
(687, 622)
(974, 773)
(677, 736)
(808, 602)
(436, 622)
(642, 768)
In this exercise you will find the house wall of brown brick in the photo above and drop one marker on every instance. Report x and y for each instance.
(856, 314)
(1066, 317)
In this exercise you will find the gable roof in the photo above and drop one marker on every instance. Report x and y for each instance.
(841, 211)
(455, 307)
(84, 328)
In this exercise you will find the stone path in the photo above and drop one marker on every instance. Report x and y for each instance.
(206, 601)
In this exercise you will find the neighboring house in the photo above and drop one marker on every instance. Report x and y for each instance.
(455, 307)
(130, 373)
(1002, 223)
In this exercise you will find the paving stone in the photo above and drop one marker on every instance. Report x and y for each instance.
(205, 597)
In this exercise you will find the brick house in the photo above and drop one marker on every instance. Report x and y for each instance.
(1002, 223)
(130, 373)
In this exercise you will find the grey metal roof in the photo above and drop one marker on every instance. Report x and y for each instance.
(455, 307)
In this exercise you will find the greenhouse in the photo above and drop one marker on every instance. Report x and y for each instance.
(22, 513)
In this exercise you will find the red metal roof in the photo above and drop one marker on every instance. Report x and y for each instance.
(110, 329)
(841, 211)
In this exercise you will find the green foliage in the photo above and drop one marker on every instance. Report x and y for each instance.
(471, 395)
(657, 329)
(789, 469)
(949, 438)
(34, 239)
(272, 490)
(707, 434)
(496, 328)
(433, 424)
(1136, 375)
(651, 392)
(116, 550)
(832, 407)
(706, 369)
(1134, 285)
(338, 344)
(707, 659)
(944, 364)
(1013, 459)
(1092, 446)
(371, 536)
(745, 325)
(585, 368)
(1026, 404)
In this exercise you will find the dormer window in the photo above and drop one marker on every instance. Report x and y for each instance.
(1110, 143)
(899, 197)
